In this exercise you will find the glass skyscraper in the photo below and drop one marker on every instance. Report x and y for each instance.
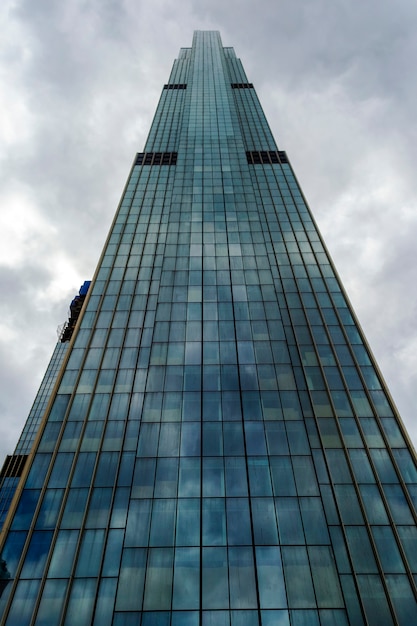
(219, 448)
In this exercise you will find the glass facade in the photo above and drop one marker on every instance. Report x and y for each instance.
(14, 464)
(219, 448)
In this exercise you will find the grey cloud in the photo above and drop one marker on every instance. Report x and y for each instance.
(338, 87)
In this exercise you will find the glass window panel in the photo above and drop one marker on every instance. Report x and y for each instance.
(333, 617)
(212, 439)
(120, 506)
(360, 549)
(233, 439)
(374, 600)
(242, 579)
(23, 603)
(238, 522)
(388, 552)
(89, 557)
(92, 436)
(25, 509)
(188, 522)
(113, 436)
(276, 438)
(341, 403)
(304, 618)
(36, 555)
(361, 466)
(350, 432)
(48, 513)
(251, 405)
(185, 618)
(163, 523)
(99, 406)
(171, 407)
(144, 478)
(289, 521)
(264, 521)
(148, 440)
(186, 591)
(398, 504)
(329, 433)
(74, 508)
(255, 438)
(189, 477)
(155, 618)
(319, 464)
(190, 439)
(63, 553)
(213, 477)
(212, 408)
(314, 521)
(259, 477)
(61, 469)
(70, 437)
(215, 587)
(106, 469)
(372, 433)
(406, 464)
(52, 601)
(305, 477)
(59, 407)
(214, 522)
(270, 577)
(103, 615)
(402, 598)
(10, 555)
(126, 468)
(392, 432)
(158, 586)
(49, 437)
(216, 618)
(374, 506)
(353, 607)
(138, 521)
(381, 403)
(231, 407)
(282, 476)
(325, 578)
(235, 476)
(113, 553)
(298, 577)
(349, 507)
(339, 548)
(83, 469)
(291, 405)
(166, 478)
(131, 581)
(275, 618)
(338, 467)
(98, 512)
(384, 466)
(408, 537)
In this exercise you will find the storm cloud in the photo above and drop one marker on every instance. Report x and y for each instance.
(79, 84)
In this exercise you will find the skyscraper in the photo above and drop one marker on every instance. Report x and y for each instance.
(219, 447)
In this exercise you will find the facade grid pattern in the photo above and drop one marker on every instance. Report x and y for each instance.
(8, 483)
(220, 448)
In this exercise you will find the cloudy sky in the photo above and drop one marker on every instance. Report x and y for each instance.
(79, 83)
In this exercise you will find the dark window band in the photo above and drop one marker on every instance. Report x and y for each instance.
(242, 85)
(156, 158)
(13, 465)
(175, 86)
(256, 157)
